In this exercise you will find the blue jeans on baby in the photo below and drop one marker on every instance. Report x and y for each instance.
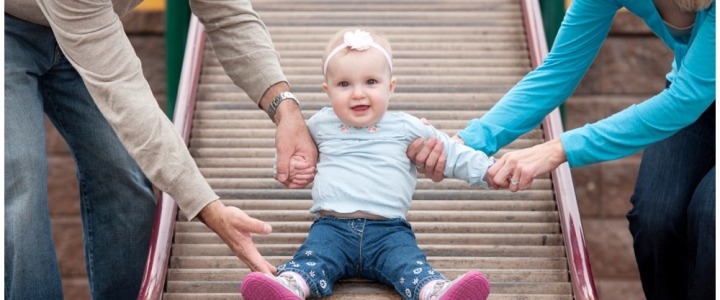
(673, 216)
(116, 199)
(382, 250)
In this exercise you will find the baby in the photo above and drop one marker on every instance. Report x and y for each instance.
(364, 186)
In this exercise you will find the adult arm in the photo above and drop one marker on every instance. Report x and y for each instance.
(691, 93)
(92, 38)
(634, 128)
(581, 35)
(244, 48)
(579, 39)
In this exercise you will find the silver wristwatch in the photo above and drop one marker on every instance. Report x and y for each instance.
(280, 98)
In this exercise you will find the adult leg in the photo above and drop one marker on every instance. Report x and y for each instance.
(31, 268)
(669, 175)
(701, 240)
(117, 201)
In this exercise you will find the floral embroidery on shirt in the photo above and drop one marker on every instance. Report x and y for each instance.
(370, 128)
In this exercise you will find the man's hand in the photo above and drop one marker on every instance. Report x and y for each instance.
(293, 140)
(234, 227)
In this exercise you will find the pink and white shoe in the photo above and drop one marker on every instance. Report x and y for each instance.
(472, 285)
(261, 286)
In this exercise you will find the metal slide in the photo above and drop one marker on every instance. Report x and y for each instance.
(454, 60)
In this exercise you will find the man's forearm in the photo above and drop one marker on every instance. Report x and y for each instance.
(210, 212)
(285, 107)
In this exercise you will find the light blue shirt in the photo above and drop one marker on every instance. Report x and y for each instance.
(581, 35)
(366, 169)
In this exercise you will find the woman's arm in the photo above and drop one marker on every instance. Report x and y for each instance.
(581, 35)
(630, 130)
(634, 128)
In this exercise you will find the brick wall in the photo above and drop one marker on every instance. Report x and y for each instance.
(629, 69)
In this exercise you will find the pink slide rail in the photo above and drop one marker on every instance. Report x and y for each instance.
(153, 281)
(578, 260)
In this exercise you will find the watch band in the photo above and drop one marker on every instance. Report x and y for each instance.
(280, 98)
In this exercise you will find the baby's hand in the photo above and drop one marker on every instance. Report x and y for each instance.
(302, 172)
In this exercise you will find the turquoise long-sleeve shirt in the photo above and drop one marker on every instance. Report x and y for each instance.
(585, 27)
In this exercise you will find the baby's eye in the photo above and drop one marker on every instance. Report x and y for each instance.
(371, 81)
(343, 84)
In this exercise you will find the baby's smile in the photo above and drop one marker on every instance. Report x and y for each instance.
(360, 108)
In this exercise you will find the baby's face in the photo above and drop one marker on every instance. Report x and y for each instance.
(359, 85)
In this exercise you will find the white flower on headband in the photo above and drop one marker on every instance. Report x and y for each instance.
(358, 40)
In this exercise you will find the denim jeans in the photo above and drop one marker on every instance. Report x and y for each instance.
(382, 250)
(116, 199)
(673, 216)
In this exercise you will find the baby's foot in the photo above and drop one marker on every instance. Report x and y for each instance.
(470, 286)
(261, 286)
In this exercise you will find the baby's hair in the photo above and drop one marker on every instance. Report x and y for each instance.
(337, 39)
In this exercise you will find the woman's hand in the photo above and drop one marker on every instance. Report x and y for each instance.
(428, 158)
(516, 170)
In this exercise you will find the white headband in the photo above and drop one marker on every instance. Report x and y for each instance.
(360, 41)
